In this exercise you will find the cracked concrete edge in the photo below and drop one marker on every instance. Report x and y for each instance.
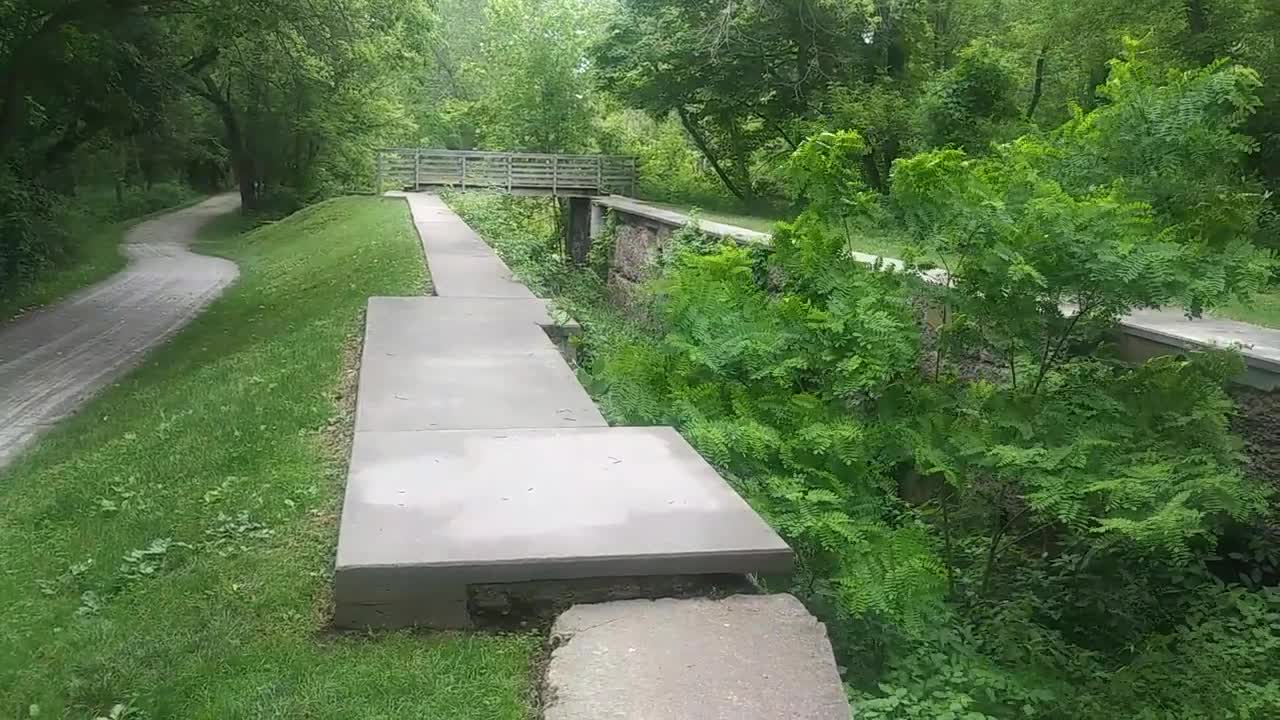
(784, 667)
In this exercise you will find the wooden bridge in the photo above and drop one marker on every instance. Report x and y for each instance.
(517, 173)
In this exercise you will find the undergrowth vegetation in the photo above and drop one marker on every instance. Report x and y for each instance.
(54, 243)
(995, 517)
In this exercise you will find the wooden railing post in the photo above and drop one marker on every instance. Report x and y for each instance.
(417, 169)
(377, 175)
(600, 174)
(555, 175)
(509, 159)
(464, 172)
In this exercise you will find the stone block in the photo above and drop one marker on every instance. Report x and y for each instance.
(430, 513)
(740, 658)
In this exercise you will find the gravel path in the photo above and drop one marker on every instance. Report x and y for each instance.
(55, 359)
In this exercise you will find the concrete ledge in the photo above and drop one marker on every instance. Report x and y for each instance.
(675, 219)
(1142, 335)
(1146, 334)
(740, 658)
(428, 514)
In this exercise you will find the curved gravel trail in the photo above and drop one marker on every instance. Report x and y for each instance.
(56, 358)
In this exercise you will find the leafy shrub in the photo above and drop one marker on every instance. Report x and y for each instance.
(669, 167)
(971, 104)
(31, 236)
(1177, 145)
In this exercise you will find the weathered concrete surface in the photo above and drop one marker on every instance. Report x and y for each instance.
(465, 363)
(480, 465)
(461, 264)
(533, 389)
(1161, 332)
(740, 658)
(55, 359)
(672, 218)
(429, 513)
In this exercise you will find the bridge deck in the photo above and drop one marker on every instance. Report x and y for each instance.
(519, 173)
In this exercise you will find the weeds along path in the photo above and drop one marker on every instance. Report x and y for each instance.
(54, 359)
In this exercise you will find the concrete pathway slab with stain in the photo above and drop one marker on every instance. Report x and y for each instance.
(55, 359)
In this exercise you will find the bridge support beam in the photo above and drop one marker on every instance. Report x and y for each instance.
(597, 221)
(577, 227)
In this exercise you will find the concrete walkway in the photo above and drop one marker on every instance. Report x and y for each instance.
(55, 359)
(483, 480)
(480, 464)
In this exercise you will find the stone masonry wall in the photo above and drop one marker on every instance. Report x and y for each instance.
(637, 245)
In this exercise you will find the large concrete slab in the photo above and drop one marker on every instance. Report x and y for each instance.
(465, 363)
(429, 513)
(509, 390)
(740, 658)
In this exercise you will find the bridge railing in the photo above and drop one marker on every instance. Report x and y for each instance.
(418, 168)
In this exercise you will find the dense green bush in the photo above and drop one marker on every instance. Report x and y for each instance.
(972, 103)
(127, 202)
(33, 232)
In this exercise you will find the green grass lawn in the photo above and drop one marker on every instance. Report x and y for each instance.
(170, 549)
(1263, 309)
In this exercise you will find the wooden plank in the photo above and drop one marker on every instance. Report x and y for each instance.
(510, 171)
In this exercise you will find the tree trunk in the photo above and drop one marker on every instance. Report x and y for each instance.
(741, 160)
(701, 142)
(871, 173)
(1038, 90)
(242, 164)
(1198, 26)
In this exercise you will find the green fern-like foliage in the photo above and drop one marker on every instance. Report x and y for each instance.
(780, 391)
(994, 519)
(1135, 462)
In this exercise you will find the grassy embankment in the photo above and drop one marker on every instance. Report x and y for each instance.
(170, 549)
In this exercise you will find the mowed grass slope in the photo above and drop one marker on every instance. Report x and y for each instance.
(170, 549)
